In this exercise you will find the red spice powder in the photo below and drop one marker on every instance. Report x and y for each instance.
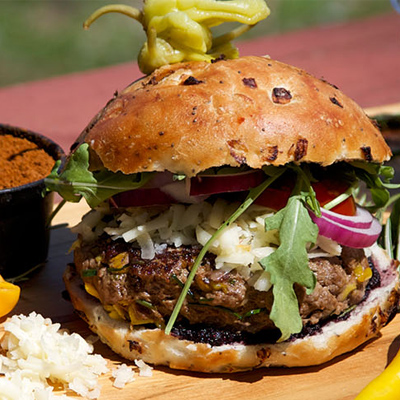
(21, 162)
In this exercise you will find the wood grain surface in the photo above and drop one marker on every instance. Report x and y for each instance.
(340, 379)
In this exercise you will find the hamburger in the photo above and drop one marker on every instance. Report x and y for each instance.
(225, 233)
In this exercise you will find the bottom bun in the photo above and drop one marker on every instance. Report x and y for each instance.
(155, 347)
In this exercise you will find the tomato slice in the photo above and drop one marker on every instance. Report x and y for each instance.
(325, 191)
(214, 184)
(274, 198)
(141, 198)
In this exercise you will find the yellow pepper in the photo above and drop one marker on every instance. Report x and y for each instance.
(9, 296)
(361, 274)
(386, 386)
(92, 290)
(180, 30)
(134, 319)
(119, 261)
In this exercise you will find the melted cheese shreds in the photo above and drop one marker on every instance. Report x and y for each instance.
(240, 246)
(325, 247)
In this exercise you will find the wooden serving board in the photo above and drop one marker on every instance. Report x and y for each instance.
(341, 379)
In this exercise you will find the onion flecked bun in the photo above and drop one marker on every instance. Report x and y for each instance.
(188, 117)
(154, 346)
(254, 111)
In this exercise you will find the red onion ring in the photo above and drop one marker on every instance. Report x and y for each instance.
(346, 235)
(363, 218)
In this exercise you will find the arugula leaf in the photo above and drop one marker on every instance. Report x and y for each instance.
(179, 177)
(110, 183)
(289, 263)
(76, 170)
(386, 239)
(391, 232)
(303, 185)
(377, 178)
(75, 180)
(386, 171)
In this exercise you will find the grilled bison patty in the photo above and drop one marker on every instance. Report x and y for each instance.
(145, 291)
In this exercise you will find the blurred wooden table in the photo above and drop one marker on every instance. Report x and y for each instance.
(362, 58)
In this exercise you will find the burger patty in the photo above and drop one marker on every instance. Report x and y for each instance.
(145, 291)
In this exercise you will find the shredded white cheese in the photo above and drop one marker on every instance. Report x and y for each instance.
(240, 246)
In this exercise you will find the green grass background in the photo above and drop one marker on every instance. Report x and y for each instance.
(44, 38)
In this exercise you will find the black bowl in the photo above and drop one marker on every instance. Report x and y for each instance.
(24, 214)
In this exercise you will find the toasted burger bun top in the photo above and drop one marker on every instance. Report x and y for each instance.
(188, 117)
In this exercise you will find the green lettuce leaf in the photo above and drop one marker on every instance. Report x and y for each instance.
(76, 180)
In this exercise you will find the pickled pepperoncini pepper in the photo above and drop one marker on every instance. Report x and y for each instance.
(386, 386)
(180, 30)
(9, 296)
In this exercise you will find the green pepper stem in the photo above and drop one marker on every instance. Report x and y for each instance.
(152, 41)
(119, 8)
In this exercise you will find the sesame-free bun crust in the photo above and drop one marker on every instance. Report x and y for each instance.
(188, 117)
(155, 347)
